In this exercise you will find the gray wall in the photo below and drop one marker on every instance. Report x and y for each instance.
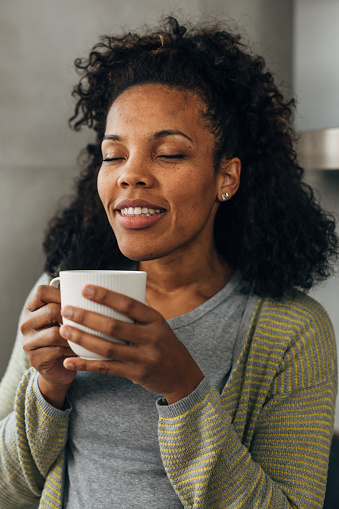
(39, 40)
(316, 85)
(269, 26)
(316, 63)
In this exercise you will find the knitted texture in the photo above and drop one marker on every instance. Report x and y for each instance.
(264, 443)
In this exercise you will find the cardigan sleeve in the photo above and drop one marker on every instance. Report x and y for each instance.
(284, 398)
(32, 432)
(18, 363)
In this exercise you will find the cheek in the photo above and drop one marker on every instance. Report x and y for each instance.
(194, 191)
(104, 188)
(192, 208)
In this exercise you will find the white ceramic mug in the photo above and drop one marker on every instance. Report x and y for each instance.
(71, 282)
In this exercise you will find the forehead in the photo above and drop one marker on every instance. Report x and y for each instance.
(149, 104)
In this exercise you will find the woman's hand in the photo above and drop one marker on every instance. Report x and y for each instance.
(45, 348)
(153, 356)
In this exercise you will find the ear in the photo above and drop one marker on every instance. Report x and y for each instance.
(229, 178)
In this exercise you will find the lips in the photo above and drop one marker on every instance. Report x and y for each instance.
(137, 203)
(138, 214)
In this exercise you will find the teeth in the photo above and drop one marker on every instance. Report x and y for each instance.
(138, 211)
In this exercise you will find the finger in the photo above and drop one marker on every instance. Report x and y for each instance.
(112, 367)
(45, 338)
(111, 327)
(125, 305)
(116, 351)
(44, 294)
(46, 316)
(46, 355)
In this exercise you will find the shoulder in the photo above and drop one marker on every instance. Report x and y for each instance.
(296, 310)
(299, 335)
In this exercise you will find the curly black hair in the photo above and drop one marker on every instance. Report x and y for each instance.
(273, 230)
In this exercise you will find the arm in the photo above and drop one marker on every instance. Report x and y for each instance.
(17, 366)
(285, 467)
(32, 432)
(265, 442)
(32, 440)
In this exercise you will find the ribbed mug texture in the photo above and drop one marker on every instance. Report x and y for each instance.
(130, 283)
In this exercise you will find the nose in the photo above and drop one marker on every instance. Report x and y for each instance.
(136, 174)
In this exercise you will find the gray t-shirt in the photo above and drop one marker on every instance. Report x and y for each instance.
(113, 458)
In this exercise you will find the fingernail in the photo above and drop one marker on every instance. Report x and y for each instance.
(88, 291)
(65, 332)
(67, 312)
(69, 365)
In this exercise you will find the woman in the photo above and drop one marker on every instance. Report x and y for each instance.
(201, 188)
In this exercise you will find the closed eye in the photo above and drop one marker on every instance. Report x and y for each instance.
(174, 156)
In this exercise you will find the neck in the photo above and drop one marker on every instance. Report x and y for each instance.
(176, 286)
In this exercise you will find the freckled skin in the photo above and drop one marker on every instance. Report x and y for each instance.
(187, 188)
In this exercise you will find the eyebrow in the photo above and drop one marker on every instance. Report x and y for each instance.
(170, 132)
(112, 137)
(156, 136)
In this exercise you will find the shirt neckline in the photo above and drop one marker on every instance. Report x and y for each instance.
(206, 307)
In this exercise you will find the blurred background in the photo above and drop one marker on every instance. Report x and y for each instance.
(39, 40)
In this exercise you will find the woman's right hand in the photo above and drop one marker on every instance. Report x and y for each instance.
(45, 348)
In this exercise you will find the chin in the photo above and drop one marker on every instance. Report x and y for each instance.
(141, 253)
(138, 255)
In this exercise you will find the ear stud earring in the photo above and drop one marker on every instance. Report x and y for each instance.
(224, 196)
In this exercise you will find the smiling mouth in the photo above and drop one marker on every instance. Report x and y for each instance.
(138, 218)
(140, 211)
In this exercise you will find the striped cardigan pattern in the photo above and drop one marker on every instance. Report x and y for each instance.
(263, 443)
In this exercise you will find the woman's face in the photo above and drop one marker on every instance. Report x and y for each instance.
(157, 181)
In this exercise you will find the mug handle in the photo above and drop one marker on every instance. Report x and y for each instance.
(55, 282)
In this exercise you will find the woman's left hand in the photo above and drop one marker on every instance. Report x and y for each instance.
(153, 356)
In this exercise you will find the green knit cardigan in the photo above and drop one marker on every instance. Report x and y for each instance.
(263, 443)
